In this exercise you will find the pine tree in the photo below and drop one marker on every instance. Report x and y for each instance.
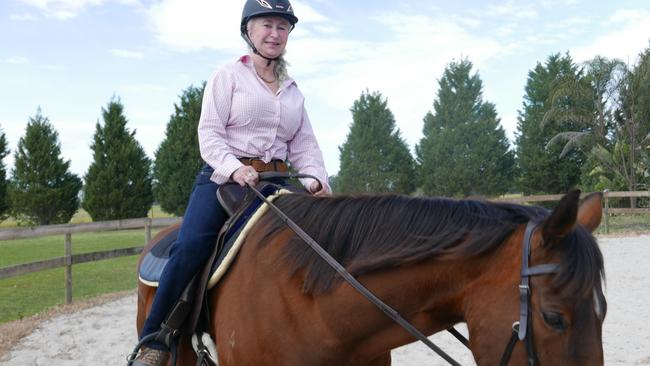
(4, 196)
(118, 181)
(178, 158)
(42, 190)
(541, 169)
(374, 156)
(464, 150)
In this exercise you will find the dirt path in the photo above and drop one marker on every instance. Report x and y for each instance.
(105, 334)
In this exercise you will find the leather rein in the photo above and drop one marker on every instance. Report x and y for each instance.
(520, 328)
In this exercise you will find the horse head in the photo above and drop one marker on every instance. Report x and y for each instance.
(564, 302)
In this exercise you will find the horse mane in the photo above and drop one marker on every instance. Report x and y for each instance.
(366, 233)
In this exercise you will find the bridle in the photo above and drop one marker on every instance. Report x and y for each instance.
(521, 330)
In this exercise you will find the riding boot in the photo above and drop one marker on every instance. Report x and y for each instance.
(151, 357)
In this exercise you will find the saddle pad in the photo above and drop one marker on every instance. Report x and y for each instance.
(225, 257)
(154, 262)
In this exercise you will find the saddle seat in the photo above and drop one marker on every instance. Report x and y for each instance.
(244, 209)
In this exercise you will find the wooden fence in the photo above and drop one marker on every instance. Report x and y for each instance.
(607, 210)
(69, 259)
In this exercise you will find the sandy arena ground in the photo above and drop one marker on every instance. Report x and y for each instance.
(105, 334)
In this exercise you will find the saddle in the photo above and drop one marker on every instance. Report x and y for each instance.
(238, 202)
(243, 206)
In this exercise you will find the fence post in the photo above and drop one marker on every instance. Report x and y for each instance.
(606, 213)
(147, 231)
(68, 268)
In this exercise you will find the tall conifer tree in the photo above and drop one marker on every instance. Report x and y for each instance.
(42, 190)
(541, 170)
(178, 158)
(4, 195)
(118, 181)
(464, 150)
(374, 156)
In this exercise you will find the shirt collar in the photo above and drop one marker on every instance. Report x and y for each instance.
(248, 62)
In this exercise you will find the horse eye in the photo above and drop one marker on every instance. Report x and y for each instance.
(555, 320)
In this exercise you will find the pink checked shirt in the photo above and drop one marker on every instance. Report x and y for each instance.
(241, 117)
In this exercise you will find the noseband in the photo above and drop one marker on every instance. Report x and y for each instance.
(522, 330)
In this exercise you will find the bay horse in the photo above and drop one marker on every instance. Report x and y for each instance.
(437, 261)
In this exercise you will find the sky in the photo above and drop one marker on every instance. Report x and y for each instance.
(71, 57)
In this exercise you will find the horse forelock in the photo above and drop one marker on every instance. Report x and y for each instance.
(582, 270)
(366, 233)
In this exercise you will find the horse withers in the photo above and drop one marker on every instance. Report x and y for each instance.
(438, 262)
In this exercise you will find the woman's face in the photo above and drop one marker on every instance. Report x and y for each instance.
(269, 35)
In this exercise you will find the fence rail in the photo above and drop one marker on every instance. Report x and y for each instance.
(607, 195)
(68, 260)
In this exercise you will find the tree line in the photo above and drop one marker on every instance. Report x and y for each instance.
(580, 125)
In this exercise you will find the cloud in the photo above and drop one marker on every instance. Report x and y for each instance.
(26, 17)
(403, 63)
(512, 10)
(17, 60)
(623, 35)
(193, 25)
(127, 54)
(68, 9)
(53, 67)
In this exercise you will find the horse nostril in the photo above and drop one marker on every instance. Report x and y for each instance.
(554, 319)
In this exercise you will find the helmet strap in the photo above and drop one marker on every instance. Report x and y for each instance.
(255, 51)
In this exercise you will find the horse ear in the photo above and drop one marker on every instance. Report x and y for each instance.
(591, 211)
(562, 220)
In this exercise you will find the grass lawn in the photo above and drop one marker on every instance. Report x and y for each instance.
(29, 294)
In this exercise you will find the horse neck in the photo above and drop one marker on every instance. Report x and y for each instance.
(433, 295)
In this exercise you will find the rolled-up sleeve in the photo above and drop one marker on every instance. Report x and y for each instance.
(305, 155)
(213, 139)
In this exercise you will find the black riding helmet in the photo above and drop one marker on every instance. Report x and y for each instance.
(258, 8)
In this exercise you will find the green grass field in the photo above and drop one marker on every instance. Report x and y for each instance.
(30, 294)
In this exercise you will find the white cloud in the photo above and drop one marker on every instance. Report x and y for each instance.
(403, 65)
(192, 25)
(144, 88)
(52, 67)
(127, 54)
(26, 17)
(68, 9)
(511, 9)
(624, 35)
(17, 60)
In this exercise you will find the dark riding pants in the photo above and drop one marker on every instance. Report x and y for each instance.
(202, 221)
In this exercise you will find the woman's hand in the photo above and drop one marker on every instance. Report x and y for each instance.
(318, 190)
(246, 174)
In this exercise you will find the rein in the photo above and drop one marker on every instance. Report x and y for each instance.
(390, 312)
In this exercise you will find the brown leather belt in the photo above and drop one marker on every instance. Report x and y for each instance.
(275, 165)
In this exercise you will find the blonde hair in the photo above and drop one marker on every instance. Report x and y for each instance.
(280, 67)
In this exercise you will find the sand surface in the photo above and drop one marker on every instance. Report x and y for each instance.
(105, 334)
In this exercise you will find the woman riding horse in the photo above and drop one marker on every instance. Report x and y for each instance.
(252, 119)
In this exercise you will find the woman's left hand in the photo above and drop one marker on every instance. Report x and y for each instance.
(318, 189)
